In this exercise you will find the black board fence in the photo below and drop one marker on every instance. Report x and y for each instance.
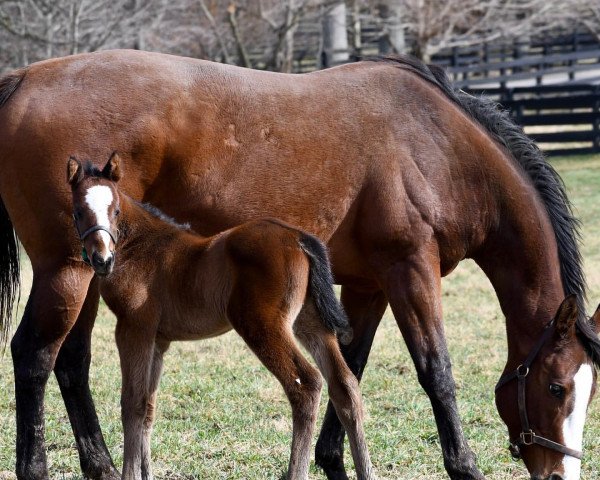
(563, 119)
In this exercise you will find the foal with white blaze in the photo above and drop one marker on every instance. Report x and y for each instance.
(268, 281)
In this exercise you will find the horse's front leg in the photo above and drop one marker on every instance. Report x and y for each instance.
(72, 372)
(365, 308)
(136, 353)
(56, 297)
(413, 287)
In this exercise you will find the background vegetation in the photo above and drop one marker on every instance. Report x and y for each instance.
(222, 415)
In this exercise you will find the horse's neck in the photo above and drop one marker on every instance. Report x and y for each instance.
(520, 257)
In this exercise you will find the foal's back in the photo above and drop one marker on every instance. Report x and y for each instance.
(190, 280)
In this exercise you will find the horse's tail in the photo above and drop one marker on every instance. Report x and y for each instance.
(320, 285)
(9, 243)
(9, 272)
(9, 83)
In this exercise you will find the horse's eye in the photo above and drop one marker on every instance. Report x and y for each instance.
(557, 390)
(117, 211)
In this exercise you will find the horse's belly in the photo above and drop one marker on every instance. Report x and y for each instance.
(193, 327)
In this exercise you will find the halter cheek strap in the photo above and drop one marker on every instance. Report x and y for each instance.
(527, 435)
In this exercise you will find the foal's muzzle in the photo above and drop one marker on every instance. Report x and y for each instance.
(102, 266)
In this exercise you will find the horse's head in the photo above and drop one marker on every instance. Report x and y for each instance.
(544, 400)
(95, 210)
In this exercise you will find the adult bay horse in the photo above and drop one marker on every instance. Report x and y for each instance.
(401, 176)
(268, 281)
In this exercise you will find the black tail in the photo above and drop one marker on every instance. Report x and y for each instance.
(321, 289)
(9, 244)
(9, 272)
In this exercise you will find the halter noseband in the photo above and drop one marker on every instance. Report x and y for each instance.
(88, 232)
(527, 435)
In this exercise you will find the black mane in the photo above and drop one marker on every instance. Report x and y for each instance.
(526, 153)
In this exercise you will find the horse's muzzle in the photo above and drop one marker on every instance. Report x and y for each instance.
(101, 266)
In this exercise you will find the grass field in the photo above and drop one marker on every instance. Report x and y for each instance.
(223, 416)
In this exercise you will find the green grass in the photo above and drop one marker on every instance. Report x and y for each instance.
(222, 415)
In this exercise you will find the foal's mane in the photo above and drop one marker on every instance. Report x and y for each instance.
(550, 187)
(162, 216)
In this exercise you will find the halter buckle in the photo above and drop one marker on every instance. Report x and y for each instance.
(527, 438)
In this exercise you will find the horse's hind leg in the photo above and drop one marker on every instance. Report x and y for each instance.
(342, 384)
(365, 308)
(72, 372)
(56, 297)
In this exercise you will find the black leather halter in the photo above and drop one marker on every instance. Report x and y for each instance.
(527, 435)
(89, 231)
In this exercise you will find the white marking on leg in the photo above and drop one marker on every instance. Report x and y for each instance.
(573, 424)
(99, 198)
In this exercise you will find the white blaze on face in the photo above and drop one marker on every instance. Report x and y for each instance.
(573, 425)
(99, 198)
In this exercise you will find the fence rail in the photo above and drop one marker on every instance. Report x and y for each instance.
(573, 109)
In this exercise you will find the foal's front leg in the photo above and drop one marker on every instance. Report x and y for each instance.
(136, 352)
(160, 347)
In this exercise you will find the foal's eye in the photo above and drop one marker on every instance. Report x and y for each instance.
(557, 390)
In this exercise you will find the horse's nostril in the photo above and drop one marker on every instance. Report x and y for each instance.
(97, 259)
(556, 476)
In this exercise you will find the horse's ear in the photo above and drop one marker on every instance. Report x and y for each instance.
(566, 316)
(112, 169)
(74, 171)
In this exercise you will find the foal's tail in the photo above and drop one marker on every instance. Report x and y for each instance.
(9, 244)
(320, 284)
(9, 272)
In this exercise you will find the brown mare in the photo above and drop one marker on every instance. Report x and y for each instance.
(401, 176)
(266, 280)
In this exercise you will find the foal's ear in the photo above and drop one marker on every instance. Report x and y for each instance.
(74, 171)
(112, 169)
(566, 316)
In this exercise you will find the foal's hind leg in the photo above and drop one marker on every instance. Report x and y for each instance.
(72, 372)
(342, 384)
(365, 310)
(274, 345)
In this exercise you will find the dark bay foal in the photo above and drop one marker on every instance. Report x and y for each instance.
(266, 280)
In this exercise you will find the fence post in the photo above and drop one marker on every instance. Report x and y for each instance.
(596, 110)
